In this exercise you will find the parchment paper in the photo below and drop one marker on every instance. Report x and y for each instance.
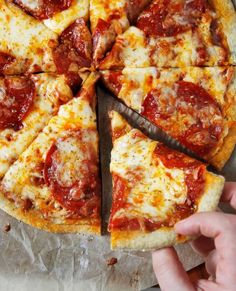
(31, 259)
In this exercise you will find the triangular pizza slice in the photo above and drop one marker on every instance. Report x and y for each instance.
(27, 103)
(196, 106)
(54, 185)
(154, 187)
(177, 33)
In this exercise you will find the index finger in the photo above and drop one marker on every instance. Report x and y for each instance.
(229, 194)
(212, 225)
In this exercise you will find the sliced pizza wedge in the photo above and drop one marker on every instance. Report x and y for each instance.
(54, 185)
(109, 19)
(154, 187)
(27, 103)
(196, 106)
(177, 33)
(28, 46)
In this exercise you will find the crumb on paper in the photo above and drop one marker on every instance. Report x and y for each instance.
(7, 227)
(112, 261)
(90, 238)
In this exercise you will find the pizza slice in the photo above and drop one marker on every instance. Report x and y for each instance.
(27, 103)
(54, 185)
(196, 106)
(55, 14)
(109, 19)
(28, 46)
(154, 187)
(177, 33)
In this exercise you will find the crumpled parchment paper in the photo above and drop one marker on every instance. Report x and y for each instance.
(34, 260)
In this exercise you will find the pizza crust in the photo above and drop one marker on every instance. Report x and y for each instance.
(33, 218)
(223, 155)
(227, 15)
(164, 237)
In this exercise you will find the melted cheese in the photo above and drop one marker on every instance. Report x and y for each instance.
(157, 190)
(102, 9)
(50, 92)
(135, 51)
(75, 115)
(27, 39)
(61, 20)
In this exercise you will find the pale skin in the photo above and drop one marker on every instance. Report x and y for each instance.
(216, 244)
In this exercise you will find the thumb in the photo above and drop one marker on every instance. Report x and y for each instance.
(169, 271)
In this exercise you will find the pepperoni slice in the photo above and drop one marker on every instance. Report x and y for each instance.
(16, 100)
(43, 9)
(74, 51)
(71, 173)
(188, 113)
(5, 61)
(166, 18)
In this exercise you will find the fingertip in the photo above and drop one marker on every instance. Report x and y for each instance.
(180, 227)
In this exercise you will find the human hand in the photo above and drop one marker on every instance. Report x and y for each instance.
(216, 244)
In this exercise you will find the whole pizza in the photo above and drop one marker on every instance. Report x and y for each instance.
(171, 61)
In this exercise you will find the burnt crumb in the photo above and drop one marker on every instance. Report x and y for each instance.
(7, 227)
(112, 261)
(90, 238)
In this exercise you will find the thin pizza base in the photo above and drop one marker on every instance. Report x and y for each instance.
(32, 218)
(164, 237)
(77, 113)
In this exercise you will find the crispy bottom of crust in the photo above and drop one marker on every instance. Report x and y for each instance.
(219, 160)
(32, 218)
(164, 237)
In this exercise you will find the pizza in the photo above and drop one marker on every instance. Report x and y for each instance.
(153, 188)
(27, 45)
(196, 106)
(54, 185)
(177, 33)
(27, 103)
(172, 61)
